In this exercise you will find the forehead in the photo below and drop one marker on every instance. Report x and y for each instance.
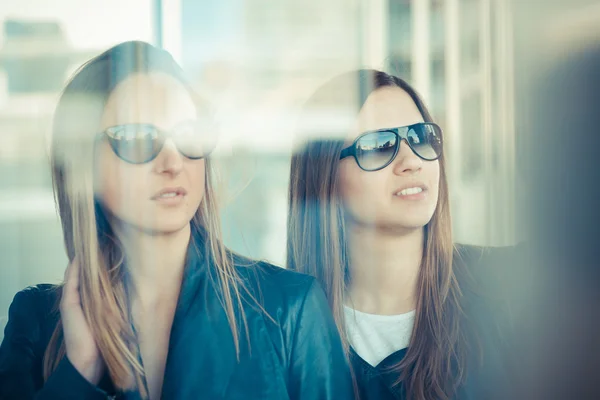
(387, 107)
(155, 98)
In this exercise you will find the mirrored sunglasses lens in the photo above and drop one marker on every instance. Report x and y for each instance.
(375, 150)
(135, 143)
(426, 141)
(195, 140)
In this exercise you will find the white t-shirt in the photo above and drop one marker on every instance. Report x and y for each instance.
(374, 337)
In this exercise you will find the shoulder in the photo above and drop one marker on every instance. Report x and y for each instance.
(496, 270)
(275, 284)
(35, 305)
(295, 311)
(285, 296)
(33, 314)
(38, 299)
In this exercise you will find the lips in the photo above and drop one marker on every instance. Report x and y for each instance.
(169, 193)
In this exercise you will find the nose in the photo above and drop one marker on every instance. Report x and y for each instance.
(406, 162)
(169, 160)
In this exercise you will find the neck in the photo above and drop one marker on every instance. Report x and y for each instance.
(384, 267)
(155, 262)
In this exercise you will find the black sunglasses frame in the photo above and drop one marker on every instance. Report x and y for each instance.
(351, 150)
(161, 139)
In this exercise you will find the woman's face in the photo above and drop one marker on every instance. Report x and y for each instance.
(162, 195)
(377, 198)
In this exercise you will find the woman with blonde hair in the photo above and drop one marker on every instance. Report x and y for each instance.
(153, 305)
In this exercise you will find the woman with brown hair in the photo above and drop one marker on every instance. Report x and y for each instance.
(369, 217)
(153, 305)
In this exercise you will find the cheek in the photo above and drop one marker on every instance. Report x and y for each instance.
(120, 186)
(433, 173)
(348, 184)
(358, 189)
(106, 177)
(196, 170)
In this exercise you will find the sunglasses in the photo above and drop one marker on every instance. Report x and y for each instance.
(141, 143)
(375, 150)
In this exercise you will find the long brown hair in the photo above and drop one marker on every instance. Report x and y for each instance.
(434, 365)
(87, 234)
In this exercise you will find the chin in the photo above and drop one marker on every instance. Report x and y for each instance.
(164, 227)
(406, 224)
(402, 226)
(170, 227)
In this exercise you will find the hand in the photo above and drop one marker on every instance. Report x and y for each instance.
(80, 345)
